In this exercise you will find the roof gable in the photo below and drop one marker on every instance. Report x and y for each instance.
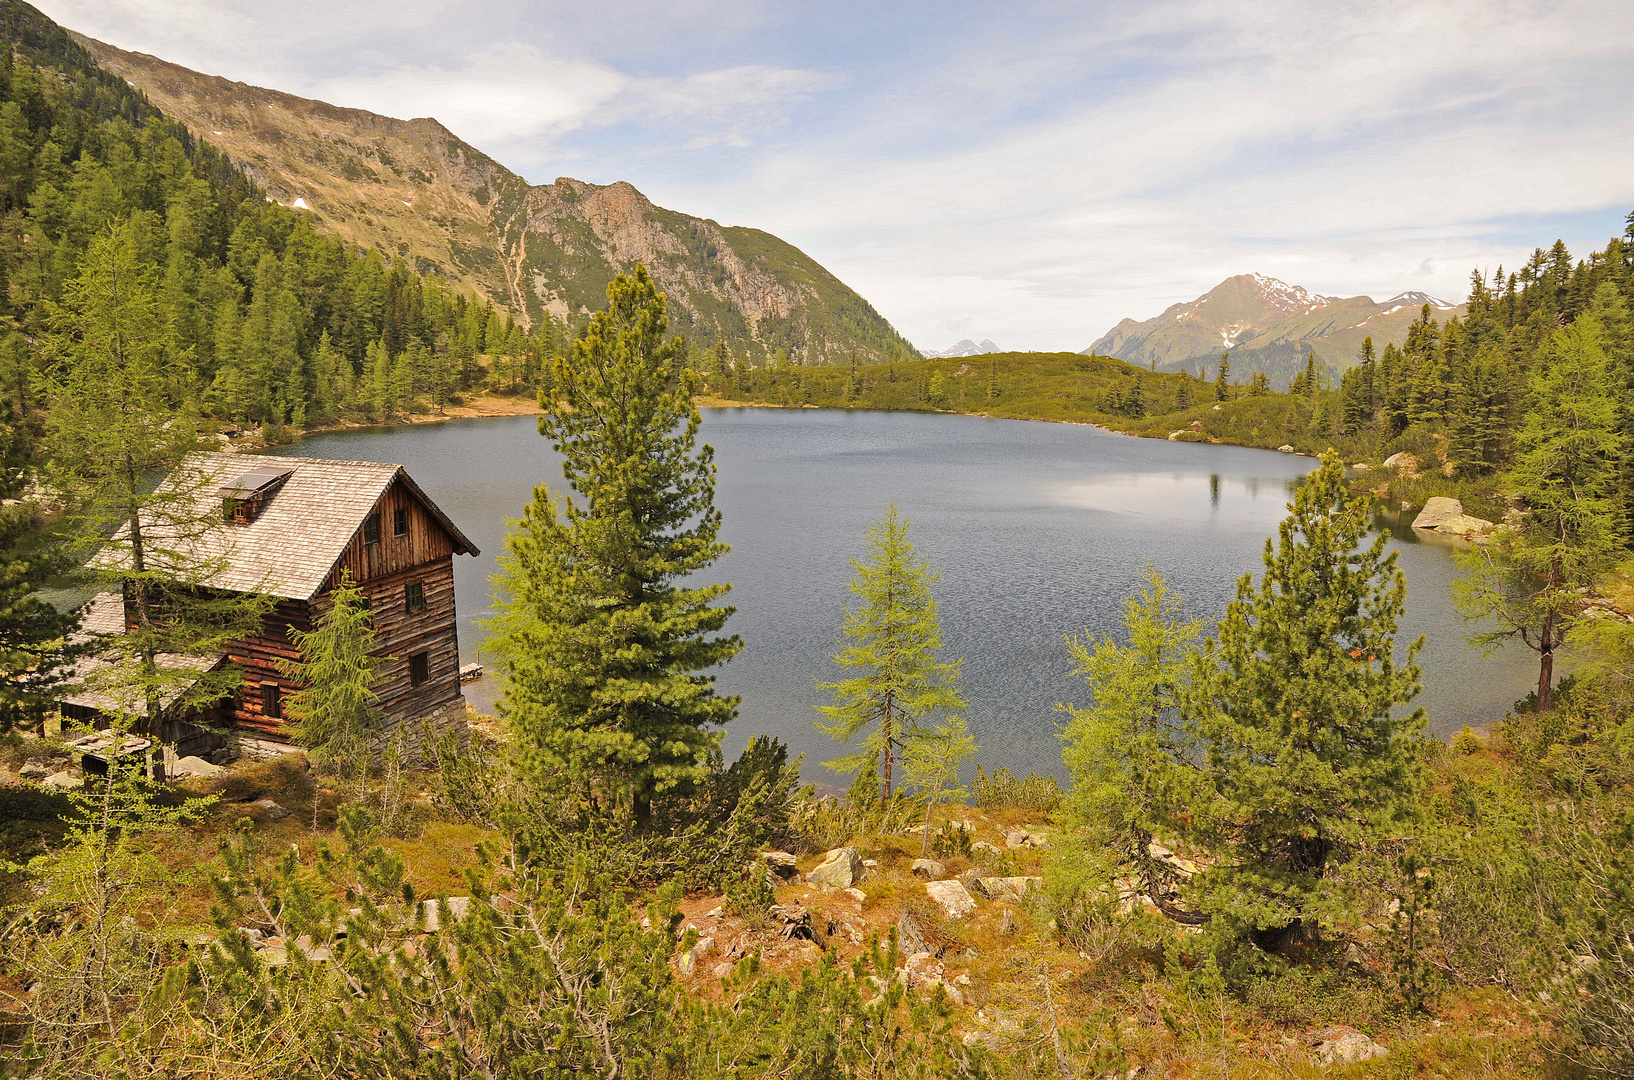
(301, 533)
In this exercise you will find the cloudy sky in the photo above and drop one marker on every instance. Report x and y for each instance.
(1030, 173)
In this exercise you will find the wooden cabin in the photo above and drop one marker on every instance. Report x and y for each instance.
(290, 528)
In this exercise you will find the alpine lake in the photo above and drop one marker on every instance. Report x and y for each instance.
(1041, 531)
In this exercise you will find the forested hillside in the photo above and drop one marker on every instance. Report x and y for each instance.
(271, 323)
(413, 189)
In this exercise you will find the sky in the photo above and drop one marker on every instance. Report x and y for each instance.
(1030, 173)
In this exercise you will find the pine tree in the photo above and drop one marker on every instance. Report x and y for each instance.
(1222, 388)
(601, 644)
(1259, 384)
(891, 639)
(333, 714)
(1297, 703)
(1533, 580)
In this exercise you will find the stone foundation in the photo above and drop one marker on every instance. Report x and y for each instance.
(447, 718)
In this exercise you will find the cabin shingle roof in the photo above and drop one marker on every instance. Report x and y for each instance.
(302, 531)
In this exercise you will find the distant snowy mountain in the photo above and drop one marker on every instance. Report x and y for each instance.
(964, 348)
(1266, 325)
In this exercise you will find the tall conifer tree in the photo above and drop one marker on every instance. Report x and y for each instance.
(603, 646)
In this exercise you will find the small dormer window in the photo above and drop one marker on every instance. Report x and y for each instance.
(371, 528)
(243, 500)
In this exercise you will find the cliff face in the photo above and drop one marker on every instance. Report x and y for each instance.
(413, 190)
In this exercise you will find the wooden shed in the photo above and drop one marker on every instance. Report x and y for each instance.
(290, 527)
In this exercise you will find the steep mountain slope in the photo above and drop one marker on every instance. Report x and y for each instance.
(1266, 325)
(412, 189)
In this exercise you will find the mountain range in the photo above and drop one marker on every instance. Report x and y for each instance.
(1266, 325)
(414, 190)
(965, 348)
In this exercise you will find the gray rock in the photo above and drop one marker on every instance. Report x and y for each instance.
(839, 869)
(910, 937)
(929, 869)
(1007, 925)
(1285, 449)
(1342, 1045)
(781, 863)
(1446, 516)
(686, 963)
(64, 780)
(457, 908)
(272, 809)
(34, 770)
(1008, 889)
(953, 898)
(982, 847)
(1020, 837)
(1404, 461)
(195, 766)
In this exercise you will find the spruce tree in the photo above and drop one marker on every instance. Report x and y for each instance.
(1533, 580)
(602, 645)
(1298, 703)
(1222, 388)
(891, 640)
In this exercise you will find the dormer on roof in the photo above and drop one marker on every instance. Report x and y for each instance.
(243, 499)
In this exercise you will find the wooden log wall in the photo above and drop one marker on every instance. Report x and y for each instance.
(399, 634)
(425, 540)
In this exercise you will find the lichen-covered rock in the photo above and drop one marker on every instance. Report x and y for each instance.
(1007, 889)
(929, 869)
(1446, 516)
(953, 898)
(781, 863)
(1343, 1045)
(839, 869)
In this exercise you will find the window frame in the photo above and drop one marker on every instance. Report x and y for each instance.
(272, 701)
(371, 524)
(419, 669)
(414, 597)
(399, 522)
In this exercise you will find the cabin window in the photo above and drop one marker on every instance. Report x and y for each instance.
(371, 529)
(414, 596)
(272, 704)
(399, 521)
(419, 668)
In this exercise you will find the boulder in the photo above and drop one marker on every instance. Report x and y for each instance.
(272, 809)
(457, 907)
(1361, 467)
(839, 869)
(1007, 925)
(781, 863)
(34, 770)
(982, 847)
(1008, 889)
(1019, 837)
(1342, 1045)
(953, 898)
(1447, 516)
(1404, 461)
(1285, 449)
(929, 869)
(910, 937)
(64, 780)
(195, 766)
(685, 963)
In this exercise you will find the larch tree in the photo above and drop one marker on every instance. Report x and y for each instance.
(931, 763)
(119, 413)
(1532, 580)
(335, 711)
(603, 646)
(1135, 762)
(891, 639)
(1299, 702)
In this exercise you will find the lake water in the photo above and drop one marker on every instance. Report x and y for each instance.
(1041, 530)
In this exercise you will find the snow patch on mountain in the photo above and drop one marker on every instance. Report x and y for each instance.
(964, 348)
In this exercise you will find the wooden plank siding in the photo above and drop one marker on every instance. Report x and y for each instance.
(424, 555)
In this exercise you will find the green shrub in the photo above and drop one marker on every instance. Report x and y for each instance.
(1004, 789)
